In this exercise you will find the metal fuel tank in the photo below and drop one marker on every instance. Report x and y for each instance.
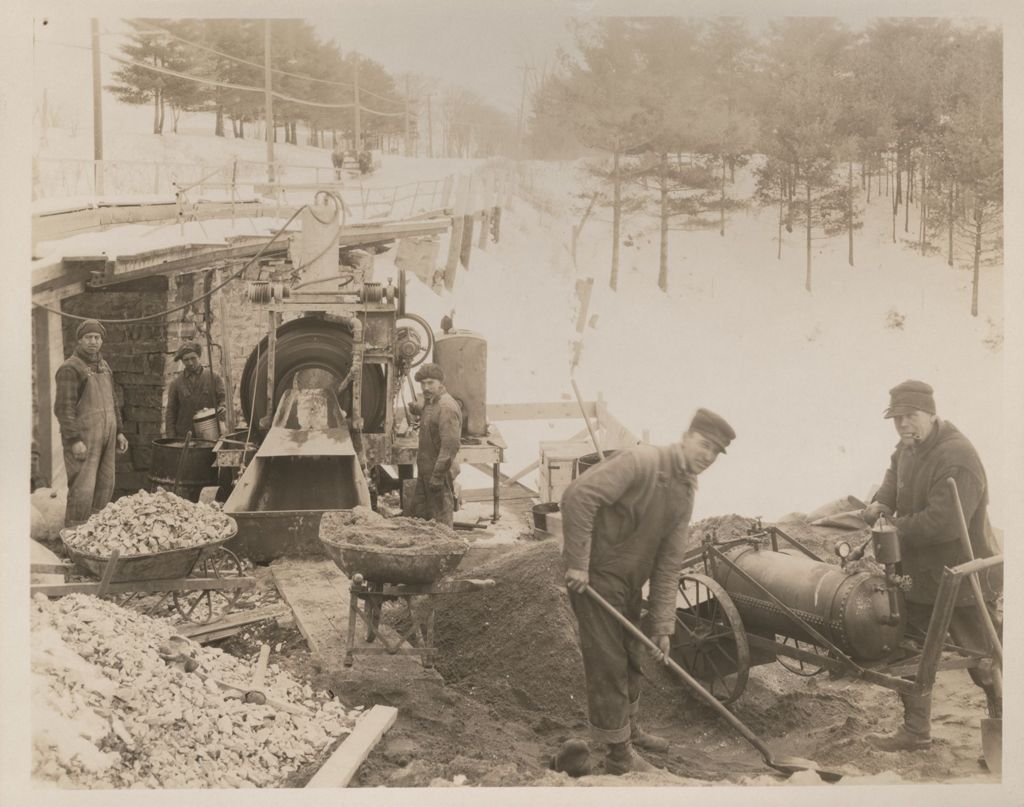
(463, 357)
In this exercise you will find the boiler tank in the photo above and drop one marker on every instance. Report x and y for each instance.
(463, 357)
(851, 610)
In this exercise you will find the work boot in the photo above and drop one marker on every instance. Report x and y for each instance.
(572, 758)
(915, 733)
(623, 759)
(648, 742)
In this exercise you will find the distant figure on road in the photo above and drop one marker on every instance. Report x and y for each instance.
(194, 388)
(338, 161)
(625, 521)
(90, 424)
(915, 490)
(365, 160)
(440, 438)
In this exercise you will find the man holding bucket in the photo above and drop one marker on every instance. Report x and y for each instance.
(194, 389)
(90, 424)
(625, 521)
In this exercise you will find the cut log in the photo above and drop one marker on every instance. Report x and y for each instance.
(345, 761)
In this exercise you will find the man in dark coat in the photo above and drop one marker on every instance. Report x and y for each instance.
(90, 424)
(916, 492)
(439, 442)
(625, 522)
(195, 388)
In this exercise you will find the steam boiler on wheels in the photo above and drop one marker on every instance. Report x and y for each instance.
(765, 597)
(321, 392)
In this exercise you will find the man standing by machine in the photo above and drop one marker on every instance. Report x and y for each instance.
(916, 492)
(195, 388)
(90, 424)
(439, 440)
(625, 522)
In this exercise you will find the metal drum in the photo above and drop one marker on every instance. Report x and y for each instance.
(850, 610)
(463, 357)
(197, 468)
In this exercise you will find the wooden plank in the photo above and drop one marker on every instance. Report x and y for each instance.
(318, 594)
(539, 411)
(236, 620)
(510, 494)
(353, 751)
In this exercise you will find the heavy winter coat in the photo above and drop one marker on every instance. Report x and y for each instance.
(915, 488)
(187, 395)
(625, 521)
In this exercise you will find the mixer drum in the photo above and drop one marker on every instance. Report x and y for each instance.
(850, 610)
(318, 352)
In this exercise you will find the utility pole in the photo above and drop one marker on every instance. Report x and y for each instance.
(407, 139)
(430, 127)
(97, 109)
(359, 131)
(522, 110)
(269, 100)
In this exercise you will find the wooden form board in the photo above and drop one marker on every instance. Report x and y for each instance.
(318, 594)
(353, 751)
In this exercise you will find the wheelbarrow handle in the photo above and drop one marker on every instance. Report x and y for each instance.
(979, 598)
(692, 682)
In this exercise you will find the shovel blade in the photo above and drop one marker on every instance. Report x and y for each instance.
(992, 743)
(791, 765)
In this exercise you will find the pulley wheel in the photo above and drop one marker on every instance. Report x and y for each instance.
(710, 642)
(319, 352)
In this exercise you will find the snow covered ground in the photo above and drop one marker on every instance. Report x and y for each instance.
(803, 377)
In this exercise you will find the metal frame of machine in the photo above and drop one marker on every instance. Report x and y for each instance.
(712, 628)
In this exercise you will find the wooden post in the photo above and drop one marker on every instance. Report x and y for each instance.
(268, 100)
(97, 109)
(225, 355)
(458, 222)
(486, 192)
(49, 356)
(466, 247)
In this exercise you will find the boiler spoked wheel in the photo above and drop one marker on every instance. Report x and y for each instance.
(710, 642)
(800, 666)
(204, 605)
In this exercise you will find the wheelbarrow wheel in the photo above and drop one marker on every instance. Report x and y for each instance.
(202, 606)
(710, 642)
(805, 669)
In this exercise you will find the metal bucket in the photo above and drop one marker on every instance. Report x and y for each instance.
(540, 514)
(197, 470)
(205, 425)
(590, 460)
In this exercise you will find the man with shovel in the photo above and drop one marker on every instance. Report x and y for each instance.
(625, 522)
(439, 442)
(916, 491)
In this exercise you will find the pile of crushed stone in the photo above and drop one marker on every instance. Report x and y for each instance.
(144, 523)
(515, 646)
(109, 712)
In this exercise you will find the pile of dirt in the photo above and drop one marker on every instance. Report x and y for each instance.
(515, 646)
(364, 528)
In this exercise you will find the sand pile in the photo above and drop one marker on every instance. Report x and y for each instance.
(365, 528)
(515, 646)
(108, 711)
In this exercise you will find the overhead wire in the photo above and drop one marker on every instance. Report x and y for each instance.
(346, 84)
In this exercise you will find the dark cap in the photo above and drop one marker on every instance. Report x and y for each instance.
(430, 371)
(188, 347)
(91, 326)
(908, 397)
(713, 427)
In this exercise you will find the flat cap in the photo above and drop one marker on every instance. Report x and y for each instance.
(714, 427)
(430, 370)
(188, 347)
(910, 396)
(91, 326)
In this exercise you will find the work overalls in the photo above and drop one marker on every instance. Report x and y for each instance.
(91, 481)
